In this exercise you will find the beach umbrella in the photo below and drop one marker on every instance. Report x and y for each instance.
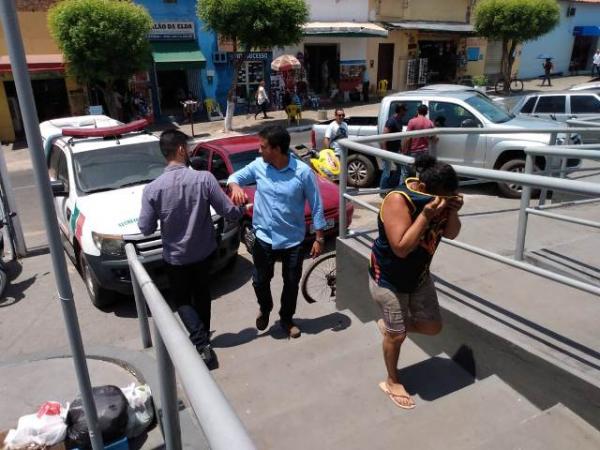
(284, 63)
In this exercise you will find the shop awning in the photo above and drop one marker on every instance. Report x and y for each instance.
(344, 29)
(586, 31)
(37, 63)
(177, 55)
(452, 27)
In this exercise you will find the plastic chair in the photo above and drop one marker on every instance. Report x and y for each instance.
(213, 110)
(382, 88)
(293, 113)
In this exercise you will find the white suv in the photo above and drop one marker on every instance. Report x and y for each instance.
(98, 168)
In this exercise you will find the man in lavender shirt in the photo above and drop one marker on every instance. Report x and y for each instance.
(180, 199)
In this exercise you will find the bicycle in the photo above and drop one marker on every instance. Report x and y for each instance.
(319, 280)
(515, 85)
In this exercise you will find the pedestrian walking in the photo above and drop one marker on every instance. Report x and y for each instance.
(596, 64)
(262, 100)
(180, 199)
(364, 75)
(417, 216)
(337, 130)
(283, 186)
(393, 125)
(548, 66)
(418, 145)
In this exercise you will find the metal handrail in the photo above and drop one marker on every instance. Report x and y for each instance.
(221, 425)
(527, 180)
(566, 152)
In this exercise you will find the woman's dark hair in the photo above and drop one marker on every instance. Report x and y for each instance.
(170, 141)
(276, 136)
(439, 178)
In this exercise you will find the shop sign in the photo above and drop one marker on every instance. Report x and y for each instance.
(172, 31)
(252, 56)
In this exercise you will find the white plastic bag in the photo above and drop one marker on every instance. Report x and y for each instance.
(47, 427)
(140, 411)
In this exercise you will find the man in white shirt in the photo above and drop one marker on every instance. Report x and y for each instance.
(596, 64)
(336, 131)
(262, 100)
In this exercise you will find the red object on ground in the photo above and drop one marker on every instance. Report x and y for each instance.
(49, 409)
(136, 125)
(225, 156)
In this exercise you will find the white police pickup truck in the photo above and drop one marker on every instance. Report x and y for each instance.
(98, 168)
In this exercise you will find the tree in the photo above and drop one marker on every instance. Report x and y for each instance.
(104, 41)
(252, 24)
(513, 22)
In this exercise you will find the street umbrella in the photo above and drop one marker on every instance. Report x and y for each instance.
(544, 56)
(284, 63)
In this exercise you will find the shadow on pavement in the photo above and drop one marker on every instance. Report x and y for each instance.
(434, 378)
(15, 292)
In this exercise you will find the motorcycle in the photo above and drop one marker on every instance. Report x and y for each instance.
(324, 163)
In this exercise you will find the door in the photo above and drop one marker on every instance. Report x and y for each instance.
(172, 89)
(467, 149)
(58, 171)
(385, 64)
(552, 107)
(582, 107)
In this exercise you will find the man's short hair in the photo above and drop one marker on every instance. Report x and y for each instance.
(400, 107)
(337, 110)
(276, 136)
(171, 140)
(422, 110)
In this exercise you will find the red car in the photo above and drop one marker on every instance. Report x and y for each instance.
(222, 157)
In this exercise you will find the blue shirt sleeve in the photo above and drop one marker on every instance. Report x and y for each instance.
(148, 220)
(313, 196)
(244, 176)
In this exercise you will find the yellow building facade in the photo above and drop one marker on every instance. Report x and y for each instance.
(55, 93)
(430, 41)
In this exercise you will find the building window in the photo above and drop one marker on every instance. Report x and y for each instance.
(169, 1)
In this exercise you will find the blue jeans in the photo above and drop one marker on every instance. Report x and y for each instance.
(264, 262)
(190, 296)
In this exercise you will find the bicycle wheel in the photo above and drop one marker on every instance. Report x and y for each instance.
(318, 282)
(516, 85)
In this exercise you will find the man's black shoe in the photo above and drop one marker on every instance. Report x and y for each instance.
(262, 321)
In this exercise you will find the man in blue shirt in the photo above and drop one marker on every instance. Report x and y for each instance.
(283, 185)
(181, 199)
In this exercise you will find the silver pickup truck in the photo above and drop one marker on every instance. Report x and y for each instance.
(456, 109)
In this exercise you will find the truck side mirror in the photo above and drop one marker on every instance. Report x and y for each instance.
(469, 123)
(59, 189)
(198, 163)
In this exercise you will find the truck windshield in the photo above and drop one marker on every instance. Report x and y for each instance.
(489, 109)
(117, 167)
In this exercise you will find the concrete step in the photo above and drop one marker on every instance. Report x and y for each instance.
(457, 421)
(556, 260)
(557, 428)
(320, 389)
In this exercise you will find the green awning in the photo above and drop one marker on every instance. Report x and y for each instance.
(177, 55)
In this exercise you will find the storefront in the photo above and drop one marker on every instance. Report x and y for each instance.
(584, 46)
(177, 66)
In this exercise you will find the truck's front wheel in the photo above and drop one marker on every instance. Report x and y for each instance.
(512, 190)
(100, 297)
(361, 171)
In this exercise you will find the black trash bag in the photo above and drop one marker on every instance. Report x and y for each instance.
(111, 407)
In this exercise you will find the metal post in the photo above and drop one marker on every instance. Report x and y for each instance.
(140, 303)
(547, 170)
(525, 199)
(12, 34)
(563, 167)
(343, 186)
(15, 221)
(168, 394)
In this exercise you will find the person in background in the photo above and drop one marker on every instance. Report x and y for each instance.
(547, 65)
(596, 64)
(364, 75)
(284, 184)
(393, 125)
(180, 199)
(338, 129)
(417, 145)
(262, 100)
(412, 220)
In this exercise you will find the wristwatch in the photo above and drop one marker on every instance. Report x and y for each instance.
(320, 240)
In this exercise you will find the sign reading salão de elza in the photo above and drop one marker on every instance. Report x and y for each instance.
(172, 31)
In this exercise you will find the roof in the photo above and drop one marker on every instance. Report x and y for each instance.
(455, 27)
(52, 62)
(351, 29)
(177, 55)
(55, 126)
(234, 144)
(460, 95)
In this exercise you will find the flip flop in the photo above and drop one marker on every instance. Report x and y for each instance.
(383, 386)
